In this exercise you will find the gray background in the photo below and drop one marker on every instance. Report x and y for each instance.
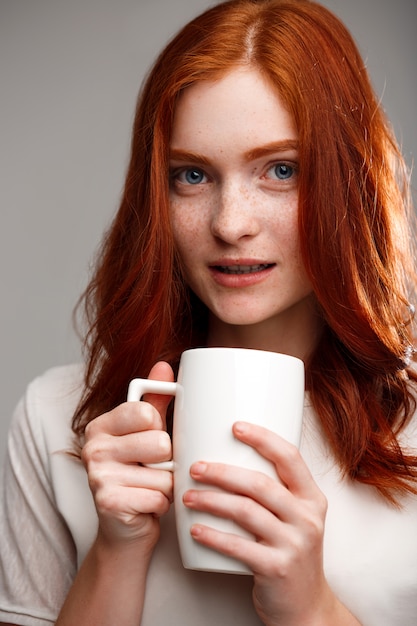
(69, 76)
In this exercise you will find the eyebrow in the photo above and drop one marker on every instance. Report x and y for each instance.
(251, 155)
(285, 145)
(186, 157)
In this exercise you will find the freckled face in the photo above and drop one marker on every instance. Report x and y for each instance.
(234, 202)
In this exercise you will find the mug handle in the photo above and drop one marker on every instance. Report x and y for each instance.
(137, 388)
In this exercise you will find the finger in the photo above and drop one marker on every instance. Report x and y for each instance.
(257, 556)
(151, 446)
(114, 475)
(245, 512)
(229, 544)
(130, 501)
(259, 487)
(287, 459)
(160, 371)
(129, 417)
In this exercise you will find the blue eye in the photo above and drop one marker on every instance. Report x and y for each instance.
(282, 171)
(192, 176)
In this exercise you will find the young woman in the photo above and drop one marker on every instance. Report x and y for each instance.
(266, 206)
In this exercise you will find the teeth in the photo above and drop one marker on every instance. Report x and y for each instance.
(242, 269)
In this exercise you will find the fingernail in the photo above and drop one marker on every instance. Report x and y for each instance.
(198, 468)
(239, 428)
(195, 530)
(188, 499)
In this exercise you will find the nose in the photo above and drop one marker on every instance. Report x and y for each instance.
(235, 214)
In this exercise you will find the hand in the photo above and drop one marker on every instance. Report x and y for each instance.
(130, 498)
(286, 518)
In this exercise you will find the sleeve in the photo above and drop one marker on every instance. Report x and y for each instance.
(37, 553)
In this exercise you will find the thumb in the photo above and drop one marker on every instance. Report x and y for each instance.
(160, 371)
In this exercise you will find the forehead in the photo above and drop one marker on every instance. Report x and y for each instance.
(240, 104)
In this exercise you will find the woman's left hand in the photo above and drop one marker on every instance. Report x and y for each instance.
(286, 518)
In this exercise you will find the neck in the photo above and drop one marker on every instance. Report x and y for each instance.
(296, 333)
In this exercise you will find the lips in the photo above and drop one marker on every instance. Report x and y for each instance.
(240, 273)
(242, 269)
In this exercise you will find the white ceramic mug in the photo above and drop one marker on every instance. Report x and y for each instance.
(217, 387)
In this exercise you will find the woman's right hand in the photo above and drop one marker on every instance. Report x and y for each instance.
(129, 497)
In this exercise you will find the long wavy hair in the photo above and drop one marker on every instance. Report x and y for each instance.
(354, 217)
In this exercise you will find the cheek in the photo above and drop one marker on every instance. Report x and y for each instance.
(186, 228)
(293, 248)
(285, 227)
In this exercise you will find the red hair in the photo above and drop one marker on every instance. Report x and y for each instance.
(353, 219)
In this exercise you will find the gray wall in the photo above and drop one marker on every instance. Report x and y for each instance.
(69, 76)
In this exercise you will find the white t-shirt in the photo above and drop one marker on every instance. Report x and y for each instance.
(48, 522)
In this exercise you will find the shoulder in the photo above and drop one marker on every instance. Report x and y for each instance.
(41, 450)
(46, 409)
(58, 384)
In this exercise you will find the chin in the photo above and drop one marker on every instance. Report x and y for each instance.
(240, 319)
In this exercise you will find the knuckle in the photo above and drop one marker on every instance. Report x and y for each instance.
(91, 429)
(245, 510)
(94, 451)
(125, 416)
(279, 568)
(319, 505)
(107, 501)
(95, 426)
(231, 544)
(164, 442)
(261, 483)
(293, 454)
(160, 500)
(276, 563)
(157, 502)
(147, 414)
(97, 482)
(313, 526)
(85, 453)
